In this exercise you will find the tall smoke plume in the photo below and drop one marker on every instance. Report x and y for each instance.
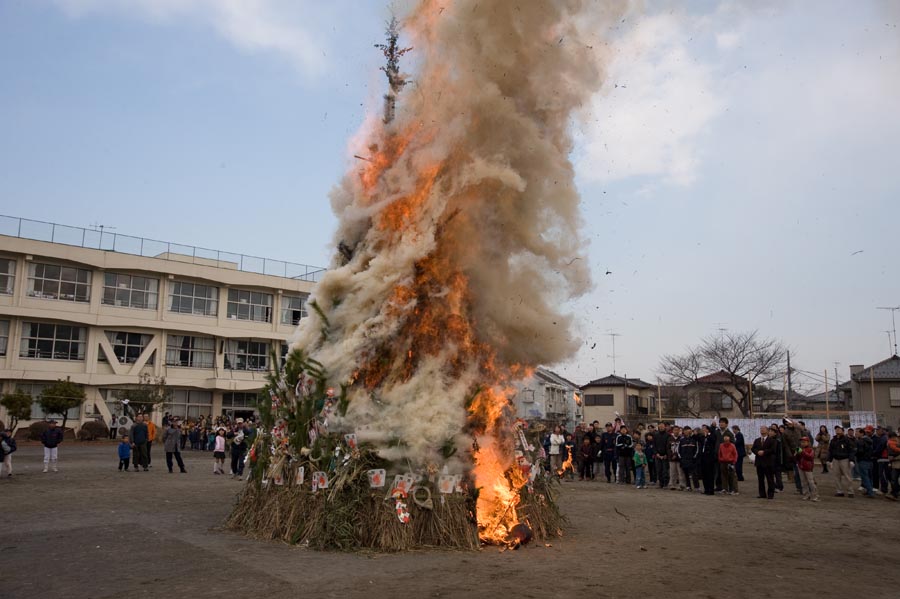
(459, 228)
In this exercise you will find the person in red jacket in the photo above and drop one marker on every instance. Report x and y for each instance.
(727, 459)
(806, 462)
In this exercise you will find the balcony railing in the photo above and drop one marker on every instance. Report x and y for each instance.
(37, 230)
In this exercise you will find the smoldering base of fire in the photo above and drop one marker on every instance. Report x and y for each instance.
(315, 484)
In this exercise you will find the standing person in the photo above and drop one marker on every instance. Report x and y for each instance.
(719, 433)
(854, 467)
(708, 460)
(864, 459)
(893, 452)
(649, 450)
(151, 437)
(7, 448)
(741, 444)
(625, 450)
(557, 441)
(608, 453)
(764, 451)
(124, 452)
(881, 468)
(640, 462)
(660, 458)
(587, 457)
(841, 453)
(51, 438)
(238, 447)
(139, 437)
(219, 452)
(674, 457)
(791, 439)
(822, 441)
(113, 426)
(806, 463)
(727, 457)
(688, 452)
(171, 443)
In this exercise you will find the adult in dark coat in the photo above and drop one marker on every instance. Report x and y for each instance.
(660, 459)
(172, 445)
(607, 453)
(765, 449)
(140, 437)
(741, 445)
(709, 460)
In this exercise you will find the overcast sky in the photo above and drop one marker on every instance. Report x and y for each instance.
(740, 169)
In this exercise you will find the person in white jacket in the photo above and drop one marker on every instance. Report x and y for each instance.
(556, 442)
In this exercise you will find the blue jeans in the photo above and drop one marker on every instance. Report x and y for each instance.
(865, 475)
(797, 482)
(639, 480)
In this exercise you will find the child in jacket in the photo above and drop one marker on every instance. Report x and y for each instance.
(727, 460)
(806, 462)
(640, 464)
(124, 453)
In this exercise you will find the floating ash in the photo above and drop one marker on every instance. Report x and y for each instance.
(458, 240)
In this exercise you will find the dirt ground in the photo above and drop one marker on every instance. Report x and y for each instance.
(90, 531)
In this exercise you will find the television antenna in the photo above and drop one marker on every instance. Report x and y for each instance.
(613, 356)
(893, 323)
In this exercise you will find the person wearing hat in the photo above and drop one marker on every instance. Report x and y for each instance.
(790, 440)
(51, 438)
(865, 459)
(893, 453)
(841, 453)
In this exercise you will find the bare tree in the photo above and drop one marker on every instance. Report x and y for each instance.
(678, 402)
(745, 359)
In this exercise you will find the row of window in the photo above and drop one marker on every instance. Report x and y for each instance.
(50, 341)
(69, 283)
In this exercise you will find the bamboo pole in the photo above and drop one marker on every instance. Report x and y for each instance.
(827, 409)
(750, 380)
(872, 386)
(659, 399)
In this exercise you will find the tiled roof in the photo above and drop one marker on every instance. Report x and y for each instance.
(886, 370)
(618, 381)
(717, 378)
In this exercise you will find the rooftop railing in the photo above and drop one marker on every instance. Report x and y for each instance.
(100, 239)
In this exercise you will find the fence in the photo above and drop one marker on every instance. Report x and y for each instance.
(151, 248)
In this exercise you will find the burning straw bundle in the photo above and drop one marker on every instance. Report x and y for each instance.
(458, 240)
(317, 486)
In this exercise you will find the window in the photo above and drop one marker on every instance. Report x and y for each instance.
(598, 400)
(193, 298)
(37, 413)
(246, 355)
(7, 276)
(895, 397)
(249, 305)
(190, 403)
(130, 291)
(293, 309)
(52, 281)
(52, 341)
(4, 336)
(128, 347)
(190, 352)
(239, 401)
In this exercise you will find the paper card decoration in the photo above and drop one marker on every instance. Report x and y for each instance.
(446, 483)
(315, 483)
(330, 392)
(402, 484)
(350, 440)
(377, 478)
(459, 483)
(301, 475)
(321, 480)
(279, 480)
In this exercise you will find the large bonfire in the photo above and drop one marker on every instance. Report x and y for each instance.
(388, 426)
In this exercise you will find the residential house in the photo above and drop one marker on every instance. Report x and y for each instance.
(633, 399)
(549, 398)
(877, 389)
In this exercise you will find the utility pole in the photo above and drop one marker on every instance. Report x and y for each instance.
(893, 324)
(613, 356)
(789, 386)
